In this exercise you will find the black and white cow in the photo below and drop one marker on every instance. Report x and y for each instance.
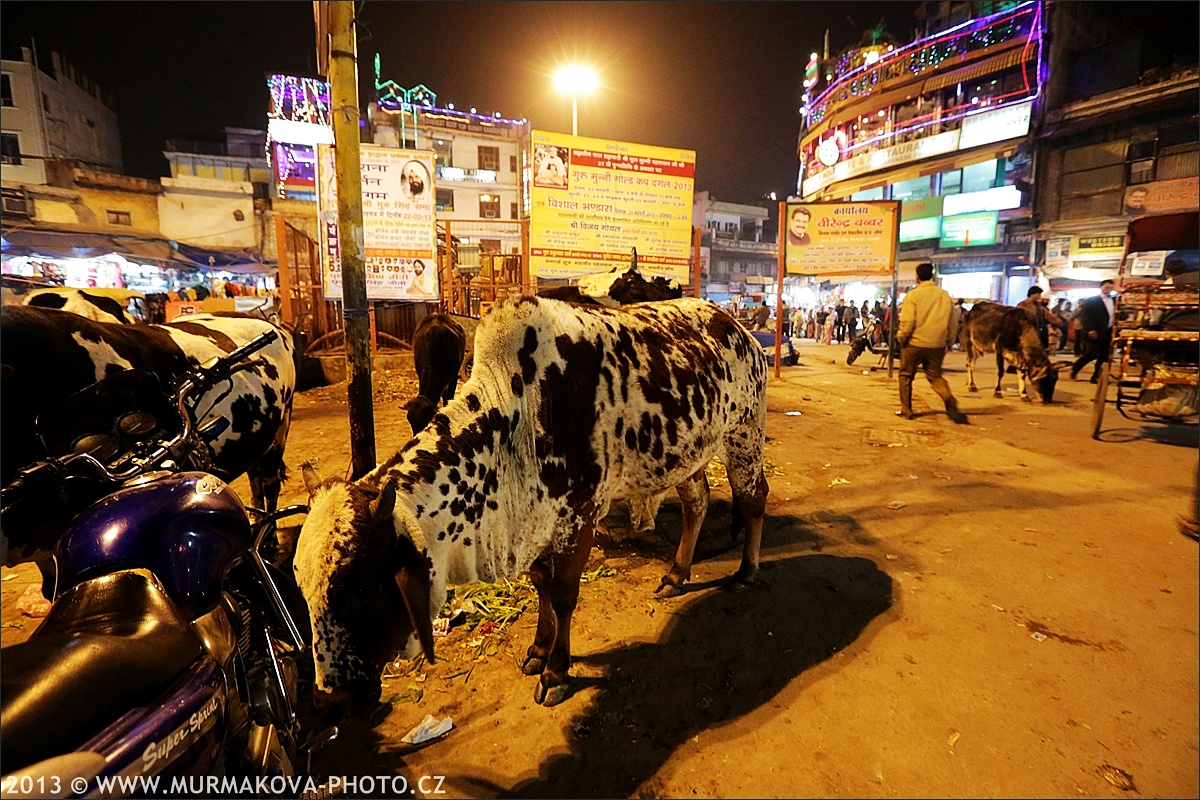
(569, 408)
(93, 305)
(1010, 334)
(49, 355)
(615, 288)
(438, 346)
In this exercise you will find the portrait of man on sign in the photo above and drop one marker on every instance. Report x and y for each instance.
(550, 166)
(798, 226)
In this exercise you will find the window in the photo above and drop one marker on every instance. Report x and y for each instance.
(512, 167)
(46, 102)
(442, 153)
(10, 148)
(489, 205)
(915, 189)
(512, 210)
(489, 245)
(951, 182)
(445, 199)
(119, 218)
(868, 194)
(981, 177)
(489, 158)
(6, 95)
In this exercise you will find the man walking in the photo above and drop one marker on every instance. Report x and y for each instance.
(1040, 315)
(923, 334)
(1095, 330)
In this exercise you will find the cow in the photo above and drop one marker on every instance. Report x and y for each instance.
(93, 305)
(615, 288)
(438, 347)
(1010, 334)
(49, 355)
(569, 408)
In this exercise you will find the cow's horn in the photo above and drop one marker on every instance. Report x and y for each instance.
(311, 479)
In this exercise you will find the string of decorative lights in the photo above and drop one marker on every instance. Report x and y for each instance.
(923, 55)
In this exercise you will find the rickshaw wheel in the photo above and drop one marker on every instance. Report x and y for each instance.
(1100, 401)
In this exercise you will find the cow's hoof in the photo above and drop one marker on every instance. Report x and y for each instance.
(998, 393)
(742, 579)
(550, 696)
(533, 665)
(973, 389)
(668, 589)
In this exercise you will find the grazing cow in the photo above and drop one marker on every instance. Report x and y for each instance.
(1010, 334)
(93, 305)
(438, 347)
(49, 355)
(568, 408)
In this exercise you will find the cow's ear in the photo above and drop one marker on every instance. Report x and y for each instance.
(413, 579)
(311, 479)
(382, 506)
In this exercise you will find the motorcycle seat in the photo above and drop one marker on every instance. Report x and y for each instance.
(107, 646)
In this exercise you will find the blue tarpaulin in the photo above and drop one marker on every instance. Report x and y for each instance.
(52, 243)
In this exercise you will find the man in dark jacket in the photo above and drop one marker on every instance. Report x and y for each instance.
(1096, 315)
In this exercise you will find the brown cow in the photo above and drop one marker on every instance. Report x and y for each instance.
(1010, 334)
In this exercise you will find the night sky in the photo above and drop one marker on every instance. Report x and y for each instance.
(722, 79)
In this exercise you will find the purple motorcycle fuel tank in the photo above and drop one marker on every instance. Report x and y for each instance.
(186, 528)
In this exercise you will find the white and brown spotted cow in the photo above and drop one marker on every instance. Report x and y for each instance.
(94, 305)
(569, 408)
(49, 355)
(1008, 332)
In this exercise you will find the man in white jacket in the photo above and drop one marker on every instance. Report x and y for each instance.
(924, 332)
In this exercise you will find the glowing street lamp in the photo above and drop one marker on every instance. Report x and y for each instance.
(575, 80)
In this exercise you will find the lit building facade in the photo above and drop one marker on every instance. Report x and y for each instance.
(738, 253)
(942, 124)
(53, 111)
(479, 159)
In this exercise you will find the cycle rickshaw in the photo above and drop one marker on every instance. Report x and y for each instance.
(1153, 368)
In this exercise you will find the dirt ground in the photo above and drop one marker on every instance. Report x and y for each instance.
(1004, 609)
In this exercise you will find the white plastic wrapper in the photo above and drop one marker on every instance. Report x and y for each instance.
(428, 729)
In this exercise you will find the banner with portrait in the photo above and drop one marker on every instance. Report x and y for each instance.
(840, 238)
(399, 226)
(594, 200)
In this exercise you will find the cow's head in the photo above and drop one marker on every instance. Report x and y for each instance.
(1044, 377)
(367, 590)
(420, 410)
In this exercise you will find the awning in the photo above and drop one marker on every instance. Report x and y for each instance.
(977, 70)
(1164, 232)
(55, 243)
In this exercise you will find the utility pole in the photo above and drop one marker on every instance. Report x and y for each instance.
(343, 89)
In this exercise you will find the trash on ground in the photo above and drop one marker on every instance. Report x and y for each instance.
(891, 557)
(31, 603)
(9, 577)
(998, 608)
(896, 505)
(914, 477)
(428, 729)
(941, 475)
(1037, 637)
(953, 738)
(793, 414)
(838, 482)
(1117, 777)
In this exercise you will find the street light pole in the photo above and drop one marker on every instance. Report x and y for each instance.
(575, 80)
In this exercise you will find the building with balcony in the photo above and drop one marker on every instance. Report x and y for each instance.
(943, 125)
(240, 158)
(52, 111)
(1118, 138)
(479, 161)
(738, 253)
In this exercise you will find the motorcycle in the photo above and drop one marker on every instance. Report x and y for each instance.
(171, 653)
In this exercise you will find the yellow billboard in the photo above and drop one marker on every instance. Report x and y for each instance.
(594, 200)
(841, 238)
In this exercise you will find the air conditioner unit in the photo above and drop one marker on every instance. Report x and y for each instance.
(16, 205)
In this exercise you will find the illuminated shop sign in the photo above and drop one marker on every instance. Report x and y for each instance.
(1058, 252)
(1104, 246)
(969, 230)
(902, 153)
(1007, 122)
(286, 130)
(915, 229)
(999, 199)
(299, 100)
(923, 208)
